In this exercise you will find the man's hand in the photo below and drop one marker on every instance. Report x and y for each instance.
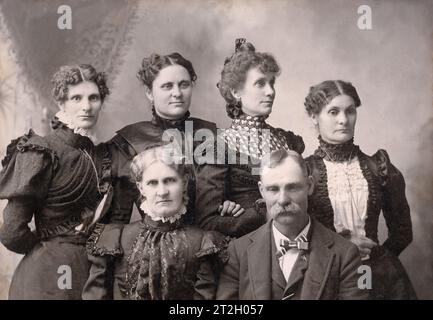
(230, 208)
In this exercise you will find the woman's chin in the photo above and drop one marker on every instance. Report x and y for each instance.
(86, 125)
(340, 138)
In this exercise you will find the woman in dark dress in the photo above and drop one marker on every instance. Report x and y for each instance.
(247, 85)
(159, 257)
(352, 189)
(60, 180)
(168, 84)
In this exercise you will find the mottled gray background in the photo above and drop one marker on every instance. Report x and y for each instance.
(390, 65)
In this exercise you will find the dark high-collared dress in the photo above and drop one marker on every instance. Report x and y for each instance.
(235, 175)
(386, 194)
(59, 181)
(153, 260)
(135, 138)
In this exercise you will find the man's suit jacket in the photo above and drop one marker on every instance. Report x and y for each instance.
(327, 271)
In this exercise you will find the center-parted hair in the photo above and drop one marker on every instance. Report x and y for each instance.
(322, 94)
(235, 71)
(71, 75)
(161, 153)
(152, 65)
(277, 157)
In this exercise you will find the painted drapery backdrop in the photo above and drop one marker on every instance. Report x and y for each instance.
(390, 64)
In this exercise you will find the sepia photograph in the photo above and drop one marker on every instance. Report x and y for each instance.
(216, 150)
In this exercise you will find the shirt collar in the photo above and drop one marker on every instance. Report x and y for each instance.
(278, 236)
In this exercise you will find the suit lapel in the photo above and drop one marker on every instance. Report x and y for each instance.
(296, 275)
(277, 273)
(320, 262)
(259, 262)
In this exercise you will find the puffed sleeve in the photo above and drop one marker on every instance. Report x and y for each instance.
(213, 255)
(125, 193)
(103, 247)
(213, 182)
(24, 180)
(295, 142)
(396, 209)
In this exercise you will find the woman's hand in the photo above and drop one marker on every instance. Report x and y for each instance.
(364, 244)
(230, 208)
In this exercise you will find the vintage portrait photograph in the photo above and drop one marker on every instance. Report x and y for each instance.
(216, 150)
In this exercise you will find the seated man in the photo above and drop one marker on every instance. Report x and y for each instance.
(292, 256)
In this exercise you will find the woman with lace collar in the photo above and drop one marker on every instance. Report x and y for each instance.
(60, 180)
(247, 85)
(352, 189)
(168, 85)
(159, 257)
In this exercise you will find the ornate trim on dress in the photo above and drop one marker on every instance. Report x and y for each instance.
(381, 158)
(336, 152)
(144, 206)
(105, 180)
(45, 233)
(94, 250)
(215, 244)
(295, 142)
(320, 204)
(69, 123)
(21, 144)
(374, 200)
(246, 135)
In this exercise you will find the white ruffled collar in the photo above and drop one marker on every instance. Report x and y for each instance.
(145, 207)
(64, 118)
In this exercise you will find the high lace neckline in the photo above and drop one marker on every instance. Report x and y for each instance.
(167, 123)
(69, 136)
(336, 152)
(245, 121)
(149, 216)
(251, 135)
(66, 120)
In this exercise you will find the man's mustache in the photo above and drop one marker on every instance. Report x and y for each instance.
(277, 209)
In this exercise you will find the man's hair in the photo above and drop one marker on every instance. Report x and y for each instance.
(277, 157)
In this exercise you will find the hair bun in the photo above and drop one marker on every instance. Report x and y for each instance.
(148, 62)
(241, 45)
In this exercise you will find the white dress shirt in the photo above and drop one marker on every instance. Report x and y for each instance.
(287, 261)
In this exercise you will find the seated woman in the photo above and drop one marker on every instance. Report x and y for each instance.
(352, 189)
(158, 257)
(247, 85)
(59, 180)
(168, 82)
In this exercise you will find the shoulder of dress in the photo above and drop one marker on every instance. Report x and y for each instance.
(30, 142)
(105, 240)
(378, 163)
(294, 141)
(203, 124)
(130, 128)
